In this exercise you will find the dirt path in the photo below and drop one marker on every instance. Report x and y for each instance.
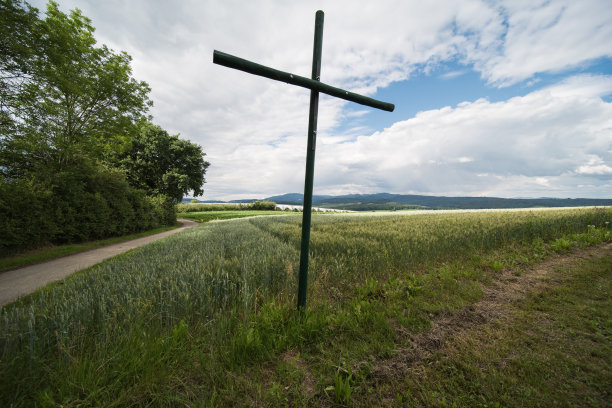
(506, 289)
(19, 282)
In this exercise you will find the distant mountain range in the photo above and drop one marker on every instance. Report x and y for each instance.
(386, 201)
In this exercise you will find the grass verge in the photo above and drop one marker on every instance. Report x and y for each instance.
(206, 216)
(48, 253)
(548, 345)
(552, 348)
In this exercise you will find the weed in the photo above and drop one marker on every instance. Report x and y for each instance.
(561, 245)
(343, 386)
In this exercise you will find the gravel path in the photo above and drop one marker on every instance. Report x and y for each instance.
(19, 282)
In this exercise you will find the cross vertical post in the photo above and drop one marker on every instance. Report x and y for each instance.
(310, 157)
(316, 86)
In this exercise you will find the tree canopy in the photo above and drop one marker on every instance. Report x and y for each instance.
(164, 164)
(76, 142)
(64, 99)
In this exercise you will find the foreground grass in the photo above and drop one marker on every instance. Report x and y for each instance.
(206, 318)
(206, 216)
(46, 254)
(551, 349)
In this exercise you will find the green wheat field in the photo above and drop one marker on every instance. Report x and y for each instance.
(207, 317)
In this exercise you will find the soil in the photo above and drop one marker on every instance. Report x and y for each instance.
(308, 384)
(508, 287)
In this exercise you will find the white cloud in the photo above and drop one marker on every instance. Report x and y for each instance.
(597, 169)
(506, 148)
(595, 166)
(584, 86)
(465, 159)
(452, 74)
(254, 129)
(545, 36)
(546, 143)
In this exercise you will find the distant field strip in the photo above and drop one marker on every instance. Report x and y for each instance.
(205, 216)
(464, 211)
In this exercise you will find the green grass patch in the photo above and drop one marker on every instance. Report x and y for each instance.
(207, 317)
(206, 216)
(553, 349)
(46, 254)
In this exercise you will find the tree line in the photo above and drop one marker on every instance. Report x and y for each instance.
(80, 158)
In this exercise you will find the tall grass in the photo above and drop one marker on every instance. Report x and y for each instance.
(216, 277)
(201, 274)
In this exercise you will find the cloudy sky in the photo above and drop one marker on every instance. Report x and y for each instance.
(493, 98)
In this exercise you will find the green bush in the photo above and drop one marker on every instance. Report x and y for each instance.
(263, 205)
(93, 203)
(164, 209)
(25, 217)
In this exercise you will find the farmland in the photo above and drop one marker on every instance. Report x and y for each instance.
(206, 317)
(206, 216)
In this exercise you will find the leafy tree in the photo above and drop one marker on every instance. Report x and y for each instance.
(74, 100)
(65, 105)
(163, 164)
(17, 37)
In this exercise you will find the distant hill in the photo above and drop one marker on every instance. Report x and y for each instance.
(386, 201)
(244, 201)
(295, 198)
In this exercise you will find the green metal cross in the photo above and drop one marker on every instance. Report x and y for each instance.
(315, 87)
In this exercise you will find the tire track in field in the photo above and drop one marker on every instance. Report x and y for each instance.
(507, 288)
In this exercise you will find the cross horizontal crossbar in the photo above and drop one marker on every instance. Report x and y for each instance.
(241, 64)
